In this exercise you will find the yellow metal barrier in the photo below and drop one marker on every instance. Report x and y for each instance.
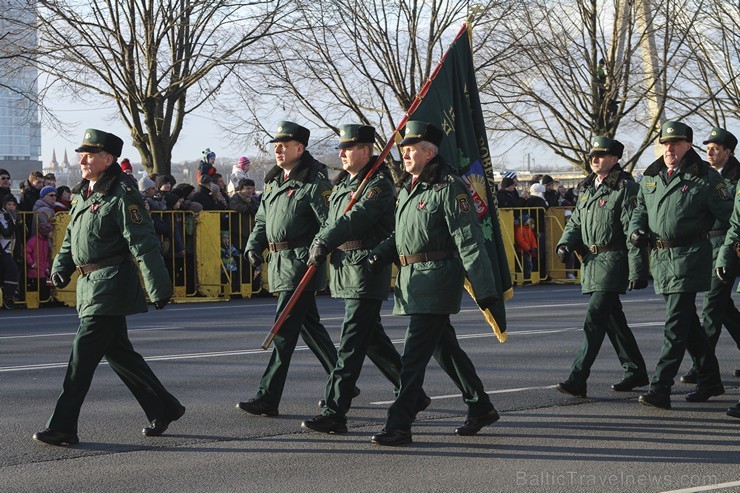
(548, 226)
(210, 264)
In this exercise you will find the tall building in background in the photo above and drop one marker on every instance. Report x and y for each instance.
(20, 125)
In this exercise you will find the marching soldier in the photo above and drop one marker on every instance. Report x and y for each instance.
(599, 226)
(727, 259)
(350, 238)
(438, 242)
(294, 206)
(109, 234)
(680, 198)
(719, 309)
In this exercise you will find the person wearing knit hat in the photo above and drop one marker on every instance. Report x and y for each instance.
(165, 183)
(146, 183)
(126, 166)
(551, 195)
(240, 171)
(43, 208)
(47, 190)
(9, 231)
(206, 165)
(507, 195)
(183, 190)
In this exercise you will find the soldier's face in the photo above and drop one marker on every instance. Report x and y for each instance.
(93, 164)
(415, 157)
(354, 158)
(602, 163)
(287, 154)
(674, 151)
(717, 154)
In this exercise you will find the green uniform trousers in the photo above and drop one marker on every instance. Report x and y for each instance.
(304, 320)
(605, 316)
(433, 335)
(719, 310)
(682, 329)
(362, 335)
(107, 336)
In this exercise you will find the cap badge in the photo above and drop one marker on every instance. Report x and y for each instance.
(669, 130)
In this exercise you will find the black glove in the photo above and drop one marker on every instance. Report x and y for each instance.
(317, 253)
(59, 280)
(159, 304)
(638, 284)
(563, 252)
(639, 238)
(722, 275)
(254, 258)
(487, 303)
(375, 263)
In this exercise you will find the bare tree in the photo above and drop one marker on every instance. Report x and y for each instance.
(354, 61)
(157, 60)
(552, 88)
(714, 75)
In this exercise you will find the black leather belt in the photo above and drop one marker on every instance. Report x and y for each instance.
(351, 245)
(285, 245)
(426, 257)
(605, 248)
(86, 269)
(680, 242)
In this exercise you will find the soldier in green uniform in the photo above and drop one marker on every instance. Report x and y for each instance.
(109, 234)
(680, 198)
(599, 227)
(438, 241)
(727, 259)
(719, 309)
(350, 238)
(293, 208)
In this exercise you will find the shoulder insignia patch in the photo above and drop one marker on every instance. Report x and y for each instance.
(372, 193)
(722, 191)
(135, 214)
(462, 202)
(440, 186)
(326, 195)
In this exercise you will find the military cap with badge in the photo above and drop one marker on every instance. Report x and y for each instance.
(606, 145)
(672, 131)
(416, 131)
(353, 134)
(97, 141)
(723, 137)
(287, 131)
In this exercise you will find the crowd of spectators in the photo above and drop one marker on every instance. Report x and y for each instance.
(26, 244)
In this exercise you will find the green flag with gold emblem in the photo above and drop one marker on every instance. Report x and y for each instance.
(452, 103)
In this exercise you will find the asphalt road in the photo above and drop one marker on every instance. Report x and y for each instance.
(209, 356)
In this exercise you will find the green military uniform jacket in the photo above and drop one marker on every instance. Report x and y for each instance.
(682, 209)
(111, 222)
(601, 218)
(726, 255)
(730, 174)
(437, 215)
(369, 221)
(292, 210)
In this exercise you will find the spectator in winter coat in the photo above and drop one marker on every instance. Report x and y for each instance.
(8, 233)
(205, 167)
(30, 193)
(38, 258)
(64, 199)
(240, 171)
(44, 209)
(525, 244)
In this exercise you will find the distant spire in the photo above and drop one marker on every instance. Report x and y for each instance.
(65, 162)
(53, 164)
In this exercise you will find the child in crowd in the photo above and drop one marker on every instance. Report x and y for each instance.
(525, 244)
(38, 260)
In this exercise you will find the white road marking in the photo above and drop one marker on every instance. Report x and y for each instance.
(457, 396)
(708, 487)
